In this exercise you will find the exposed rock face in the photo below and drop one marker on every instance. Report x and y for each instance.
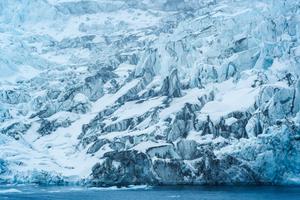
(171, 85)
(150, 92)
(13, 97)
(123, 168)
(97, 146)
(3, 168)
(188, 149)
(183, 122)
(4, 115)
(296, 106)
(15, 130)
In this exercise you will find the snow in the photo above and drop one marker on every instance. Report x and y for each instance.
(80, 98)
(230, 121)
(238, 100)
(13, 75)
(61, 116)
(109, 99)
(144, 146)
(135, 109)
(123, 69)
(231, 97)
(191, 96)
(279, 67)
(120, 134)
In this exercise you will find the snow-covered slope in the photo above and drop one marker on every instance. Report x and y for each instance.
(126, 92)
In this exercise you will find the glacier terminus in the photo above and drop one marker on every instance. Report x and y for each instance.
(150, 92)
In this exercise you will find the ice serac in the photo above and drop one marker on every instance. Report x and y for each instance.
(130, 92)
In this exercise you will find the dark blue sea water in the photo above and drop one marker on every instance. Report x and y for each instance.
(150, 193)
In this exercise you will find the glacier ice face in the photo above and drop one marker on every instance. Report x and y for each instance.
(150, 92)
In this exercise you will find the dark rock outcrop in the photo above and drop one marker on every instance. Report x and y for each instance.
(171, 86)
(122, 169)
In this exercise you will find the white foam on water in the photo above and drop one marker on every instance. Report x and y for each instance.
(174, 196)
(138, 187)
(11, 190)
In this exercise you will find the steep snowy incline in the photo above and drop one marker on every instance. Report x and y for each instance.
(127, 92)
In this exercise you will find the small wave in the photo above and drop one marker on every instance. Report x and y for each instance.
(138, 187)
(54, 191)
(174, 196)
(12, 190)
(77, 189)
(73, 189)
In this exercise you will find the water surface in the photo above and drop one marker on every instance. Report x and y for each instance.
(150, 193)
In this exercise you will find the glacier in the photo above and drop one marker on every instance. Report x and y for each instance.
(156, 92)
